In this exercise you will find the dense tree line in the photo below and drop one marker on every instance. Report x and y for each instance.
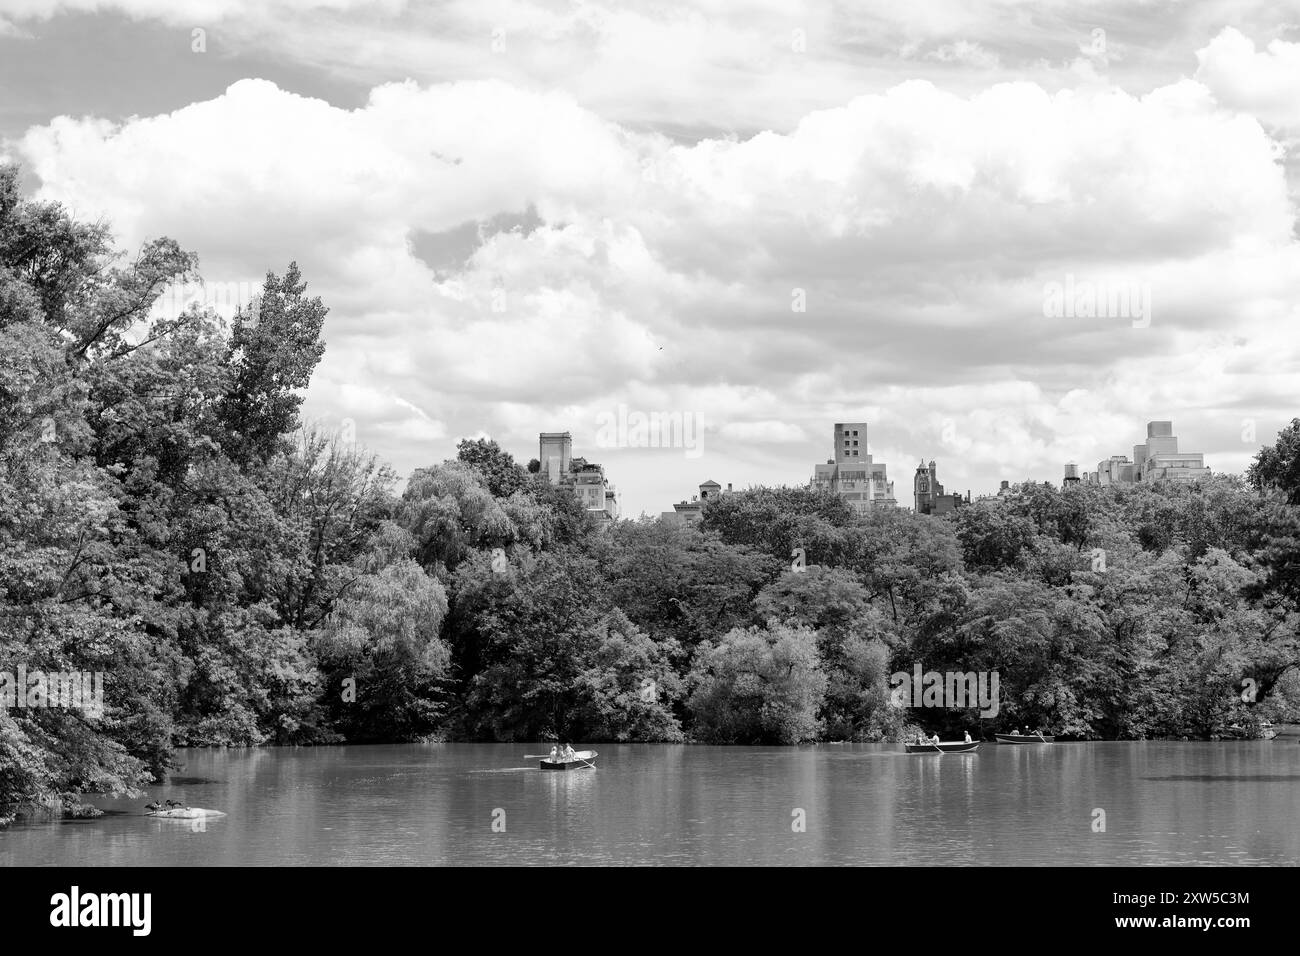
(167, 520)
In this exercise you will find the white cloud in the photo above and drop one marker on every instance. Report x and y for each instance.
(1265, 83)
(921, 226)
(764, 432)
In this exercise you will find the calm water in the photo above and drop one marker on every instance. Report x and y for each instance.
(1165, 803)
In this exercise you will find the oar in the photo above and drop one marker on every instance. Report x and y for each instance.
(1040, 736)
(587, 762)
(537, 756)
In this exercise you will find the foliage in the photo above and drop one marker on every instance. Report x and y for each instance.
(237, 579)
(758, 685)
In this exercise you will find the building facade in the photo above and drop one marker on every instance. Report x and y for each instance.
(928, 495)
(1156, 459)
(851, 473)
(690, 512)
(585, 479)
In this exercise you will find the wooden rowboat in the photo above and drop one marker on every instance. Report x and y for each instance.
(184, 813)
(581, 759)
(1024, 738)
(944, 746)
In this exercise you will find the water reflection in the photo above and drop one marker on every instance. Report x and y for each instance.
(468, 804)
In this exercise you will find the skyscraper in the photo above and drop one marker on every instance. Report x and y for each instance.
(851, 473)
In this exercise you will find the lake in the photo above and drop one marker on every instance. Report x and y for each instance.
(1175, 803)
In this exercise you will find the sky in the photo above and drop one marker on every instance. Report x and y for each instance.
(1006, 234)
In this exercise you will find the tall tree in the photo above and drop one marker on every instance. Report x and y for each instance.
(275, 345)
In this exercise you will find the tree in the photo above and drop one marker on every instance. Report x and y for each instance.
(523, 640)
(382, 647)
(911, 565)
(80, 587)
(449, 510)
(824, 599)
(497, 467)
(1275, 472)
(274, 346)
(758, 685)
(627, 688)
(1278, 467)
(775, 521)
(993, 537)
(682, 585)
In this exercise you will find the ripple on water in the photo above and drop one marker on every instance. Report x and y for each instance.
(1166, 803)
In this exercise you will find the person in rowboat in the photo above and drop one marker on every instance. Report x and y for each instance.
(555, 752)
(968, 740)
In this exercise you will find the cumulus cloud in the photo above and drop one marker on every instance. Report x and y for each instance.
(763, 63)
(1264, 83)
(885, 259)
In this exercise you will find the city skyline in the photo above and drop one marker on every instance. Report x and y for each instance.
(1163, 429)
(993, 238)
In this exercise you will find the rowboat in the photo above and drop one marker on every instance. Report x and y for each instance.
(944, 746)
(1024, 738)
(184, 813)
(583, 758)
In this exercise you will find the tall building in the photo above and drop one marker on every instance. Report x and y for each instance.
(929, 496)
(585, 479)
(1159, 458)
(1156, 459)
(689, 512)
(852, 474)
(555, 450)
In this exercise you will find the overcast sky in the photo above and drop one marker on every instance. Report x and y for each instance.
(525, 214)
